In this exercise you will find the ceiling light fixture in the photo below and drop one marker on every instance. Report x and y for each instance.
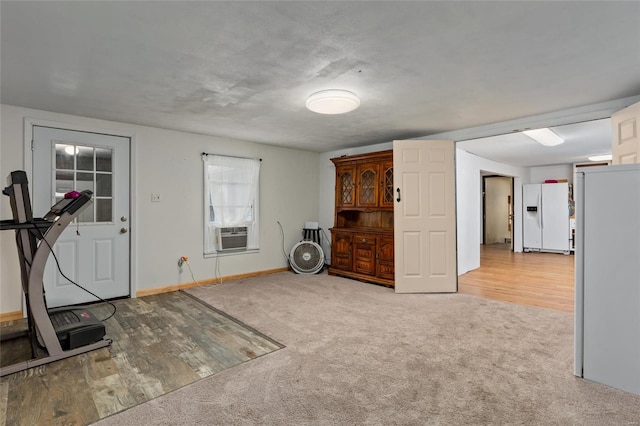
(71, 150)
(544, 136)
(605, 157)
(333, 102)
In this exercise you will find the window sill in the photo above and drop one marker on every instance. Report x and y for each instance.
(231, 253)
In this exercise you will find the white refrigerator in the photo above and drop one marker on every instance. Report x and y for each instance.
(607, 288)
(546, 217)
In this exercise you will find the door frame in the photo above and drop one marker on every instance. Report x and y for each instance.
(29, 123)
(484, 207)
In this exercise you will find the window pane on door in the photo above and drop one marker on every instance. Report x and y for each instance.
(84, 181)
(64, 182)
(65, 156)
(104, 186)
(84, 158)
(104, 159)
(104, 209)
(87, 215)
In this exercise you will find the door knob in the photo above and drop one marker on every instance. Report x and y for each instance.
(123, 230)
(123, 219)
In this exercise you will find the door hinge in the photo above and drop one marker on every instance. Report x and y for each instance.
(31, 144)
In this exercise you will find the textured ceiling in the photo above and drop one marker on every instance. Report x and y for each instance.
(244, 69)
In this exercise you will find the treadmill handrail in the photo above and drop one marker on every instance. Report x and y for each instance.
(35, 287)
(9, 225)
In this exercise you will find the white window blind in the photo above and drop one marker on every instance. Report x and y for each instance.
(231, 197)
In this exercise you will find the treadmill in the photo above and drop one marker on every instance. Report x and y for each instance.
(56, 333)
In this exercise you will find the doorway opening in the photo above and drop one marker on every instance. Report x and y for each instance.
(497, 211)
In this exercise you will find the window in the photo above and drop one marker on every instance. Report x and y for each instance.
(79, 168)
(231, 200)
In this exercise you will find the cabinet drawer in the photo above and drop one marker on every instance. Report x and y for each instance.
(364, 253)
(364, 267)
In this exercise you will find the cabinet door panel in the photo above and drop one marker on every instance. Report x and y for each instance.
(367, 185)
(341, 251)
(384, 265)
(386, 184)
(345, 186)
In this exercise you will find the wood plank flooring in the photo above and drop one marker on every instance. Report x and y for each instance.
(160, 343)
(533, 279)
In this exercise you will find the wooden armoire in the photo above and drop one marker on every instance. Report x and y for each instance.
(362, 236)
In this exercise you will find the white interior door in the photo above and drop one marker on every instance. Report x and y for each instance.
(425, 216)
(94, 251)
(625, 147)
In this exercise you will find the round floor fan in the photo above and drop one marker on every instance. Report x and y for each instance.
(306, 257)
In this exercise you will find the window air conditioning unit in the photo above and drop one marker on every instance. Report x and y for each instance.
(231, 239)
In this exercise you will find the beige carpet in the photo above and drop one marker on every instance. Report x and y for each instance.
(359, 354)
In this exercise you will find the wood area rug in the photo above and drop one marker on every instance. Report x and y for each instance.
(160, 343)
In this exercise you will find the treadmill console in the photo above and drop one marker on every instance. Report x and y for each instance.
(70, 205)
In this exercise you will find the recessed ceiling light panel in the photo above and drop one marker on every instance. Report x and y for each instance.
(544, 136)
(605, 157)
(333, 102)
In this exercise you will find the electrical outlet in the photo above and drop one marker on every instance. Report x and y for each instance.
(155, 197)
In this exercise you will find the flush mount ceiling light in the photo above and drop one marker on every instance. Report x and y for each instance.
(71, 150)
(605, 157)
(333, 102)
(544, 136)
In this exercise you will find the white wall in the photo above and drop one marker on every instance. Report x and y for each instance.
(469, 205)
(169, 162)
(559, 171)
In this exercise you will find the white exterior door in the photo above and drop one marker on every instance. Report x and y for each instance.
(94, 251)
(626, 135)
(532, 216)
(425, 216)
